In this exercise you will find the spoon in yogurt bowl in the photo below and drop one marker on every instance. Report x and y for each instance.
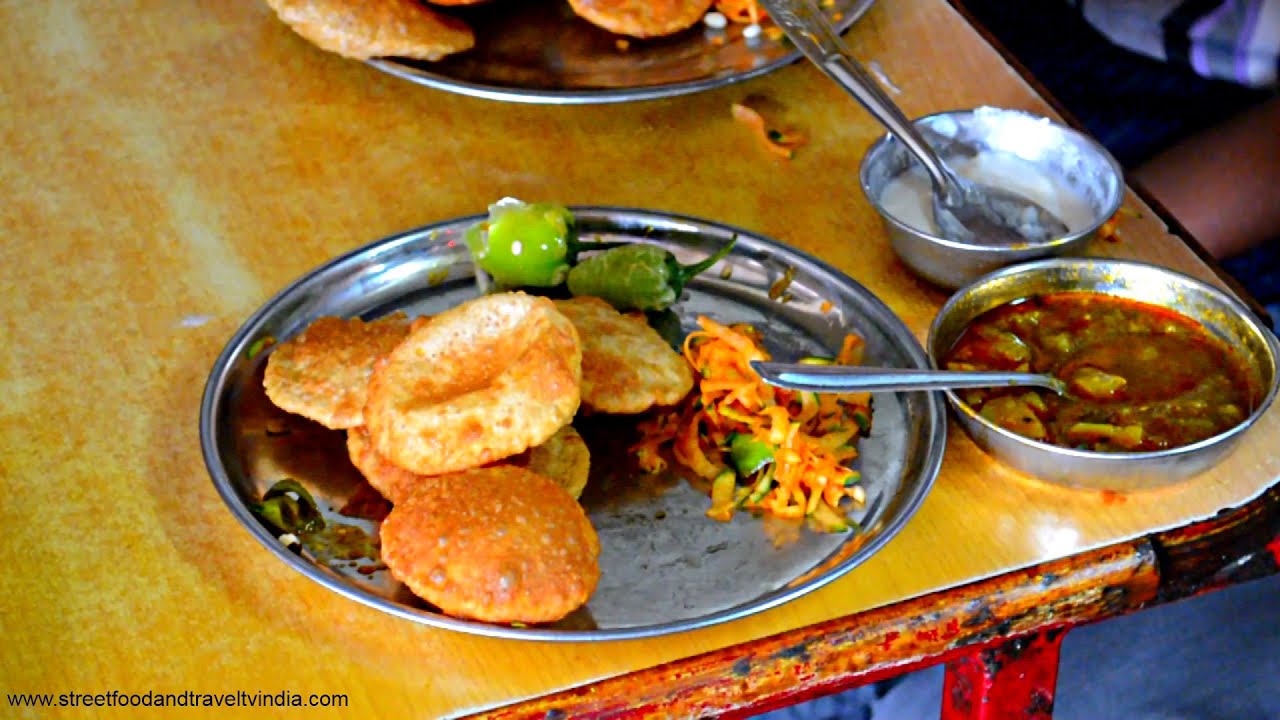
(964, 211)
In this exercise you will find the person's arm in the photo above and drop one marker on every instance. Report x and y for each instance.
(1223, 184)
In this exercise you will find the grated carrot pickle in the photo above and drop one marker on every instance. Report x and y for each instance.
(810, 438)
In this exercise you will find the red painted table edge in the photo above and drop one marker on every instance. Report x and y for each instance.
(999, 636)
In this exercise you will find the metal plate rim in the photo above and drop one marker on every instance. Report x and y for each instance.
(594, 96)
(209, 439)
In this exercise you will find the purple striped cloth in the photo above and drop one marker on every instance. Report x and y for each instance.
(1233, 40)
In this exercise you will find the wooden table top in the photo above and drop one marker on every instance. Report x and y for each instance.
(171, 165)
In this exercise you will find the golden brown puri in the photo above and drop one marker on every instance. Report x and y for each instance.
(390, 480)
(642, 18)
(363, 29)
(482, 381)
(498, 544)
(563, 458)
(322, 373)
(626, 365)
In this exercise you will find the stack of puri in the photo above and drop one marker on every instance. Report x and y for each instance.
(363, 29)
(462, 421)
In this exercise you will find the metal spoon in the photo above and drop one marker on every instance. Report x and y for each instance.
(854, 378)
(963, 210)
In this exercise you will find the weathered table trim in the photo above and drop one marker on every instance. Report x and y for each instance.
(838, 654)
(984, 630)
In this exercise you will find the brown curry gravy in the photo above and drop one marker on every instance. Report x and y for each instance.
(1142, 377)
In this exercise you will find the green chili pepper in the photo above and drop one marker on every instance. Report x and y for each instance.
(259, 345)
(863, 420)
(287, 513)
(763, 485)
(637, 277)
(748, 454)
(825, 518)
(523, 245)
(528, 245)
(667, 324)
(723, 496)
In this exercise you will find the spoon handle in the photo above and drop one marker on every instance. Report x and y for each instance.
(809, 30)
(854, 378)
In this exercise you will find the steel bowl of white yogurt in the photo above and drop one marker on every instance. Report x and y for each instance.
(1065, 171)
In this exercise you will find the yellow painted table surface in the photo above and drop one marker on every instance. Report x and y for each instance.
(169, 165)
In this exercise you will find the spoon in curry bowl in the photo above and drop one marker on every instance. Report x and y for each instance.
(858, 378)
(964, 211)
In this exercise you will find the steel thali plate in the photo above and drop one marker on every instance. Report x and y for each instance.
(665, 567)
(540, 52)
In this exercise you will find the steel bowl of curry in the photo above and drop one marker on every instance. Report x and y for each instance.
(1163, 373)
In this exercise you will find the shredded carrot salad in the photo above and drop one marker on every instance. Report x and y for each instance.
(782, 143)
(749, 11)
(743, 11)
(766, 449)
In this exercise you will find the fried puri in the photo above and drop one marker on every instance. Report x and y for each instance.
(322, 373)
(498, 544)
(563, 458)
(642, 18)
(363, 29)
(626, 365)
(482, 381)
(390, 480)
